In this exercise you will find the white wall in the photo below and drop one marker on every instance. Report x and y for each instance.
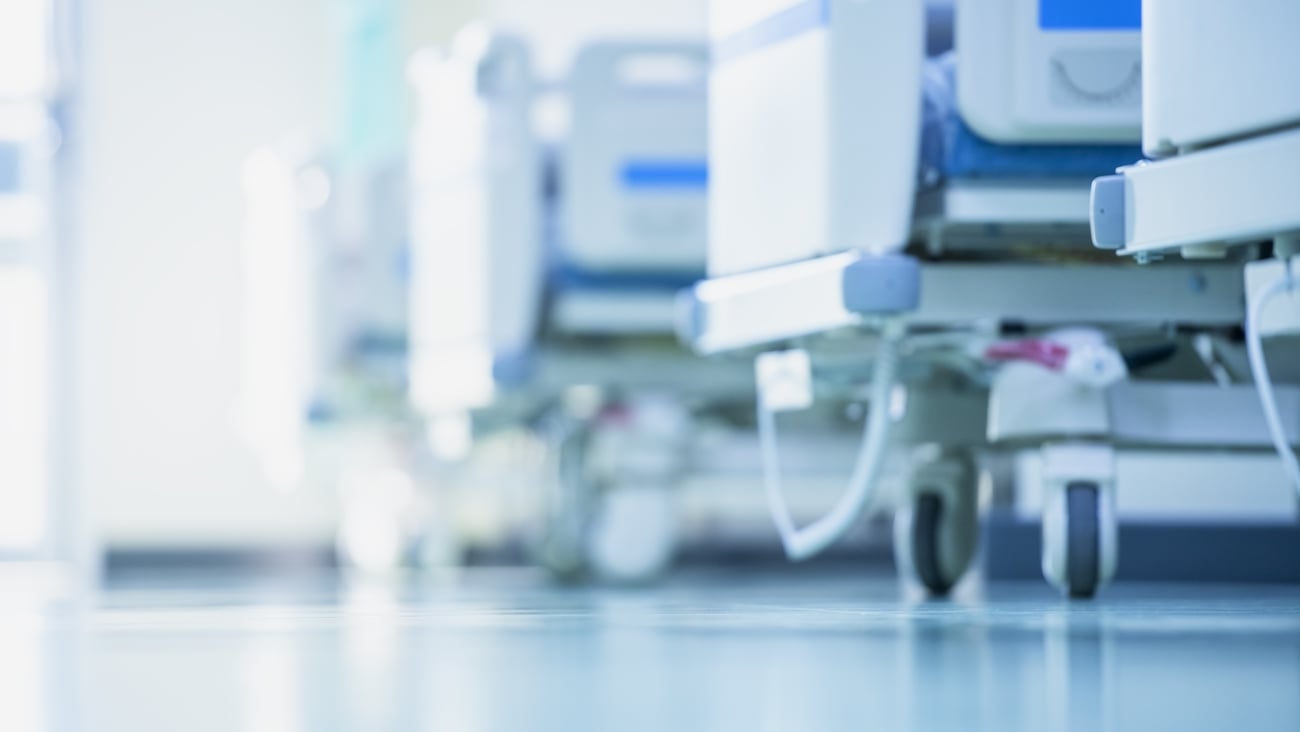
(434, 22)
(176, 94)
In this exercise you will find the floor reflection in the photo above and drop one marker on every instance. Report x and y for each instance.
(711, 652)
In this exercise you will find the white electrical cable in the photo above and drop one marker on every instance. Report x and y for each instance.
(1263, 382)
(803, 543)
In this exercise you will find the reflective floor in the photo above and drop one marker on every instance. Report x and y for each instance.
(709, 650)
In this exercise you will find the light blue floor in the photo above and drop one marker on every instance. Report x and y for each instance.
(735, 650)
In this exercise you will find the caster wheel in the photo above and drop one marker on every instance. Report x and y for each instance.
(1080, 527)
(1080, 538)
(926, 528)
(936, 536)
(1083, 540)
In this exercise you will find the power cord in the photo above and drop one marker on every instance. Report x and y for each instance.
(803, 543)
(1259, 369)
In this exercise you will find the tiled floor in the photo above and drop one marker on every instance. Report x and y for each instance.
(731, 650)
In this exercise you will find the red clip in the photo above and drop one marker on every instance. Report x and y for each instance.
(1044, 353)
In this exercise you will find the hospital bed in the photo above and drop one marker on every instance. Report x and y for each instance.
(582, 232)
(1221, 126)
(914, 230)
(553, 223)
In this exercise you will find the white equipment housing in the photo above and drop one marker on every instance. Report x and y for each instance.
(800, 131)
(1224, 119)
(1075, 70)
(634, 168)
(1217, 72)
(823, 166)
(632, 181)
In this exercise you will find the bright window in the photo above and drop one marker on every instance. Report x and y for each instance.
(24, 47)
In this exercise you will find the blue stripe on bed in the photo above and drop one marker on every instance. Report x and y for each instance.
(665, 174)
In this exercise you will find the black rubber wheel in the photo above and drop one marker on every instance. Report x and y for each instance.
(928, 513)
(1083, 547)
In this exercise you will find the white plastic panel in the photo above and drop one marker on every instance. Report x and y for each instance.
(1198, 414)
(634, 179)
(1024, 77)
(732, 16)
(814, 137)
(613, 313)
(779, 303)
(768, 157)
(1217, 70)
(1005, 203)
(876, 52)
(1238, 193)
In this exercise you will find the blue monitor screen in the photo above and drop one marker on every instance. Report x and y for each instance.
(1089, 15)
